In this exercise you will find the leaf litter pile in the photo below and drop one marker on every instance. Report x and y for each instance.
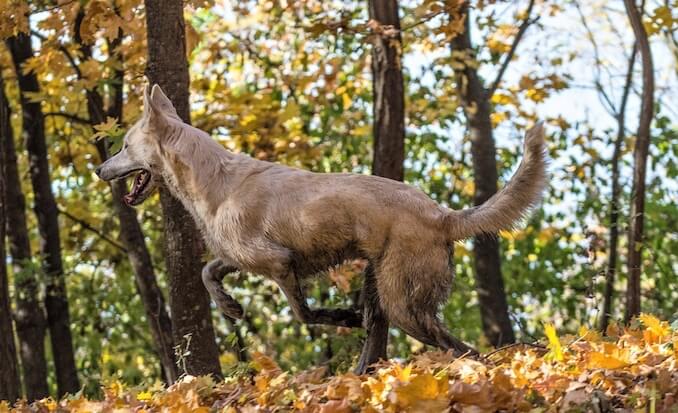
(632, 369)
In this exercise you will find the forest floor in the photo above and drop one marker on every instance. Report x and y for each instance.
(631, 369)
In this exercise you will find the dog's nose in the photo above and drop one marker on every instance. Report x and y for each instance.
(98, 171)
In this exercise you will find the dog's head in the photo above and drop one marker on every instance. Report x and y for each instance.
(140, 154)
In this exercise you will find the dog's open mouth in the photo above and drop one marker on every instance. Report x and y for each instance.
(138, 192)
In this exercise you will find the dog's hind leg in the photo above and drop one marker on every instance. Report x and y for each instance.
(212, 275)
(375, 323)
(412, 289)
(290, 286)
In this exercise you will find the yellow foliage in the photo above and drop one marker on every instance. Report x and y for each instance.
(537, 95)
(502, 99)
(655, 330)
(603, 361)
(629, 370)
(13, 17)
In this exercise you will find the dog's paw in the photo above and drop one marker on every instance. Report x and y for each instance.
(229, 306)
(341, 317)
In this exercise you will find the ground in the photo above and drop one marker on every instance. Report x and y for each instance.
(628, 369)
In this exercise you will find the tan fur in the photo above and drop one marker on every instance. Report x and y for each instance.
(287, 223)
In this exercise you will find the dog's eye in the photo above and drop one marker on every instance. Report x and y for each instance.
(125, 145)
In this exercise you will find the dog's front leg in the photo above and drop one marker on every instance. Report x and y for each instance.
(341, 317)
(212, 275)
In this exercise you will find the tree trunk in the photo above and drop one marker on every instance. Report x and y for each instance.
(611, 270)
(489, 282)
(29, 316)
(639, 164)
(189, 303)
(389, 151)
(56, 302)
(389, 95)
(131, 234)
(10, 386)
(132, 238)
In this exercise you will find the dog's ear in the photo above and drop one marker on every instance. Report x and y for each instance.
(158, 109)
(160, 102)
(147, 104)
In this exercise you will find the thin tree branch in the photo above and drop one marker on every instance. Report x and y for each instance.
(613, 253)
(55, 7)
(606, 100)
(430, 16)
(63, 49)
(527, 22)
(70, 116)
(90, 228)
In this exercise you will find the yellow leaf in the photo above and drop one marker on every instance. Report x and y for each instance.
(402, 374)
(655, 330)
(502, 99)
(88, 27)
(421, 387)
(346, 100)
(498, 117)
(554, 343)
(603, 361)
(108, 129)
(587, 334)
(536, 95)
(192, 39)
(264, 364)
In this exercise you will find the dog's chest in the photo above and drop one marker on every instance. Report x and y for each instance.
(222, 235)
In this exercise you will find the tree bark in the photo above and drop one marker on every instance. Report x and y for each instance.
(29, 316)
(640, 153)
(389, 95)
(56, 301)
(131, 234)
(611, 270)
(388, 109)
(489, 281)
(10, 386)
(189, 303)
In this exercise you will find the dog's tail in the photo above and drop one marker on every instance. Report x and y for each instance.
(512, 202)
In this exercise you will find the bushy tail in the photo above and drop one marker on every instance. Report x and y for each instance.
(512, 202)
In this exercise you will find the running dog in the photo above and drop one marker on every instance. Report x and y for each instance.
(289, 224)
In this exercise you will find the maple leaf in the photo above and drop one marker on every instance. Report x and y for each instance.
(598, 360)
(109, 129)
(655, 330)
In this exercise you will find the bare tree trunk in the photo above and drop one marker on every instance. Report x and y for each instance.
(611, 270)
(56, 301)
(131, 233)
(10, 386)
(389, 95)
(639, 164)
(29, 316)
(189, 302)
(489, 281)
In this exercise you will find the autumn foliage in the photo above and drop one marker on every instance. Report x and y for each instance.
(629, 368)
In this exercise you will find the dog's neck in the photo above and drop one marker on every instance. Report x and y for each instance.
(196, 170)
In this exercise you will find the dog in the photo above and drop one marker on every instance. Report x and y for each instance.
(289, 224)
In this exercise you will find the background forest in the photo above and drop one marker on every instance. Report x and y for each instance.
(436, 92)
